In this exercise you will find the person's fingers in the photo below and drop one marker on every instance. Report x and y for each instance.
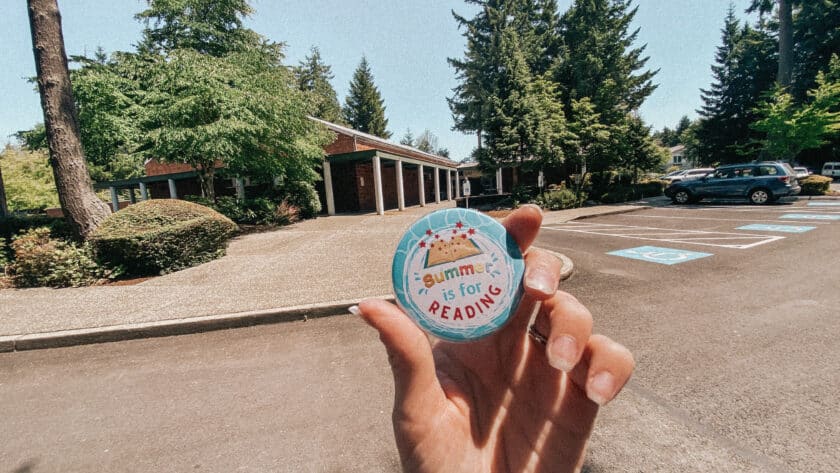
(542, 273)
(604, 369)
(524, 224)
(567, 325)
(418, 392)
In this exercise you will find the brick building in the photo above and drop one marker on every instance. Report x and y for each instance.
(361, 173)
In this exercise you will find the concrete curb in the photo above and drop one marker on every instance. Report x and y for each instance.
(614, 212)
(168, 328)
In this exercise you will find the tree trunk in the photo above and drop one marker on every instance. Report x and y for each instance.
(82, 208)
(4, 209)
(206, 178)
(785, 73)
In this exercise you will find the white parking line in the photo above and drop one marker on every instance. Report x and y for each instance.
(692, 237)
(634, 215)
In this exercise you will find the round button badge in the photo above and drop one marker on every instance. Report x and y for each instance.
(458, 274)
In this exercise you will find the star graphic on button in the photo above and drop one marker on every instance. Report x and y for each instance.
(459, 225)
(471, 231)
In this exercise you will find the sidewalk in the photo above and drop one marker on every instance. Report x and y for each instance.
(313, 268)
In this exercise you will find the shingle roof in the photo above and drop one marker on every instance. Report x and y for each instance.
(388, 146)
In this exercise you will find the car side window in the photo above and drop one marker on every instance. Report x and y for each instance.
(722, 174)
(767, 171)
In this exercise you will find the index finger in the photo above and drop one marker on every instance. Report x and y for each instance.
(524, 225)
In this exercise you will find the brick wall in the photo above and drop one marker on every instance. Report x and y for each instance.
(342, 144)
(366, 192)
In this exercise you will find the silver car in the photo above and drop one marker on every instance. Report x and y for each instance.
(689, 174)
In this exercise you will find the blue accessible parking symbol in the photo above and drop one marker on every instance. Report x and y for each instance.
(777, 228)
(823, 204)
(655, 254)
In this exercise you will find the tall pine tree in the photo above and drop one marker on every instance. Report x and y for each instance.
(364, 108)
(744, 69)
(599, 60)
(314, 77)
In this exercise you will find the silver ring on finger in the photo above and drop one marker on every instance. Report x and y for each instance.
(536, 335)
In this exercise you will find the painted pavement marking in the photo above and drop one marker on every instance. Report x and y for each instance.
(811, 216)
(740, 220)
(823, 204)
(694, 237)
(777, 228)
(656, 254)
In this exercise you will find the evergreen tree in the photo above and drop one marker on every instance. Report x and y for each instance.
(784, 72)
(364, 109)
(600, 61)
(816, 36)
(535, 22)
(314, 77)
(408, 138)
(525, 122)
(745, 68)
(83, 210)
(208, 26)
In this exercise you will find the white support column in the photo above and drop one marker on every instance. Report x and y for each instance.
(422, 183)
(240, 188)
(329, 188)
(377, 185)
(173, 191)
(144, 192)
(499, 189)
(400, 189)
(448, 184)
(457, 185)
(437, 185)
(115, 199)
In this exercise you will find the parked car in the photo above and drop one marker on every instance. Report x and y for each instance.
(831, 169)
(801, 172)
(689, 174)
(761, 183)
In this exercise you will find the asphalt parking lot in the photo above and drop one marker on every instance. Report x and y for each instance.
(731, 311)
(738, 366)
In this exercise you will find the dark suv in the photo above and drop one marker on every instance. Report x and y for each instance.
(759, 182)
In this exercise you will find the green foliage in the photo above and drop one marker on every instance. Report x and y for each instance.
(618, 194)
(623, 192)
(559, 199)
(160, 236)
(40, 260)
(238, 110)
(790, 128)
(302, 196)
(364, 108)
(4, 256)
(28, 179)
(20, 223)
(211, 27)
(258, 211)
(745, 67)
(313, 77)
(815, 185)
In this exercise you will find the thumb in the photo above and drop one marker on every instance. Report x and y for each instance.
(419, 395)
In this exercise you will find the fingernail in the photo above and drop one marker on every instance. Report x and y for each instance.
(354, 309)
(601, 388)
(540, 280)
(562, 353)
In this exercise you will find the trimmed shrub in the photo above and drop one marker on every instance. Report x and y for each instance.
(559, 199)
(161, 236)
(618, 194)
(653, 188)
(41, 260)
(815, 185)
(258, 211)
(303, 196)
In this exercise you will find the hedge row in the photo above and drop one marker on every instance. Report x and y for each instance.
(815, 185)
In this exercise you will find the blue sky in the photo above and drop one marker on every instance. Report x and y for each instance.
(406, 43)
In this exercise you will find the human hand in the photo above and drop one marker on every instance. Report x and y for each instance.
(505, 402)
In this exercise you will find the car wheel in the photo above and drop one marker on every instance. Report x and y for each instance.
(682, 196)
(760, 196)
